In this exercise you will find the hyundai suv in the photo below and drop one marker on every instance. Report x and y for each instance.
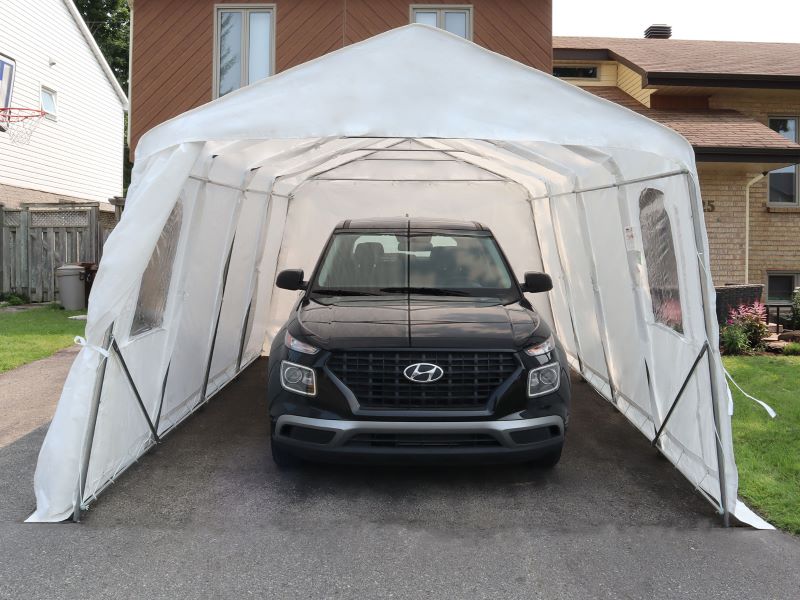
(413, 341)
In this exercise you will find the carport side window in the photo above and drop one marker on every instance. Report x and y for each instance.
(660, 259)
(154, 290)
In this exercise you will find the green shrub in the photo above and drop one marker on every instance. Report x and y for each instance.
(792, 349)
(796, 309)
(752, 319)
(14, 300)
(733, 340)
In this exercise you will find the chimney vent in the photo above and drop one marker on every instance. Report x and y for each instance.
(658, 32)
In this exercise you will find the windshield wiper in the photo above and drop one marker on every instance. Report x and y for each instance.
(426, 291)
(331, 292)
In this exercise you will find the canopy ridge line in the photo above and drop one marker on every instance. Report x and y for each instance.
(118, 354)
(703, 350)
(94, 407)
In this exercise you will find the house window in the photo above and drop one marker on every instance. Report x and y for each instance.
(244, 46)
(452, 18)
(783, 183)
(47, 100)
(7, 68)
(660, 259)
(576, 72)
(154, 289)
(781, 286)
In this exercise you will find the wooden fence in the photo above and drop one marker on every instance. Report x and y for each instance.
(36, 239)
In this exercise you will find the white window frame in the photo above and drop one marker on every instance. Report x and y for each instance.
(48, 115)
(5, 103)
(440, 9)
(245, 9)
(783, 273)
(796, 202)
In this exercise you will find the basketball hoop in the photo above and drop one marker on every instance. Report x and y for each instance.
(20, 123)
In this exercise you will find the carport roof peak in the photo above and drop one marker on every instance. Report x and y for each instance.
(417, 82)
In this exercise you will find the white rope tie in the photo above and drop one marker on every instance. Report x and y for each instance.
(81, 341)
(763, 405)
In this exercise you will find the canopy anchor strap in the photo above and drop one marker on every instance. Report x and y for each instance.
(135, 390)
(703, 350)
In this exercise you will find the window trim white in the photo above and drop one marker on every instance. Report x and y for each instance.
(13, 63)
(796, 203)
(48, 115)
(245, 9)
(440, 9)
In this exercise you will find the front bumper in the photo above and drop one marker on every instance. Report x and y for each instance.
(507, 440)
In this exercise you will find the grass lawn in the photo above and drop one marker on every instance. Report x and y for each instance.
(29, 335)
(768, 450)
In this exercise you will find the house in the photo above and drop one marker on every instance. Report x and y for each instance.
(185, 53)
(54, 189)
(738, 103)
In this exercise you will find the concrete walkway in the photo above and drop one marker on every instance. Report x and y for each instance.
(29, 394)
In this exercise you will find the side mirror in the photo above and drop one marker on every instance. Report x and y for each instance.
(537, 282)
(291, 279)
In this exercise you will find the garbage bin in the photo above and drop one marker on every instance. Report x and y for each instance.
(71, 289)
(90, 270)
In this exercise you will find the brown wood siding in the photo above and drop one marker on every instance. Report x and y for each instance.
(173, 41)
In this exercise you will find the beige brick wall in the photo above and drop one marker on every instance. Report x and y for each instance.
(13, 197)
(774, 233)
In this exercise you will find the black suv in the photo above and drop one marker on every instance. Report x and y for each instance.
(411, 341)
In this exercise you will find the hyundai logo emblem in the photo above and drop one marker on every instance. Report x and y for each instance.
(423, 372)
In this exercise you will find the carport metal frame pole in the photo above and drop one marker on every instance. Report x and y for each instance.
(135, 390)
(703, 350)
(94, 408)
(710, 323)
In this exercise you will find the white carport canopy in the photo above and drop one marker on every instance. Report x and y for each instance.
(420, 122)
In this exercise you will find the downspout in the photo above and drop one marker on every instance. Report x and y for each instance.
(750, 184)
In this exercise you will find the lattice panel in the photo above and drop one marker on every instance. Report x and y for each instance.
(11, 218)
(65, 218)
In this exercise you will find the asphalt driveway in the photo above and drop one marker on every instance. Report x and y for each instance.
(208, 515)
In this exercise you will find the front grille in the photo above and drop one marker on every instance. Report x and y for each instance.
(423, 440)
(377, 381)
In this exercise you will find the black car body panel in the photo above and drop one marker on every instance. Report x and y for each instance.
(479, 411)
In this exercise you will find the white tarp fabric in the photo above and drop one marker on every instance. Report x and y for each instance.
(420, 122)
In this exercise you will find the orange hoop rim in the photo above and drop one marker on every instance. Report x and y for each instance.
(14, 114)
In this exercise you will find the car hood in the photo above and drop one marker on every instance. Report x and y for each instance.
(418, 322)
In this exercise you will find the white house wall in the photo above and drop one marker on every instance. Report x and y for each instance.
(80, 154)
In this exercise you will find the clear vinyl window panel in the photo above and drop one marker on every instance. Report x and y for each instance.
(660, 259)
(453, 18)
(244, 46)
(154, 290)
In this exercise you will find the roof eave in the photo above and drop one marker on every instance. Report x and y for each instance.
(76, 16)
(740, 154)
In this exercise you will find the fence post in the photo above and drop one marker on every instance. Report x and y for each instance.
(22, 248)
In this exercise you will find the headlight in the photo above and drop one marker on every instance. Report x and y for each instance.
(544, 380)
(299, 379)
(295, 344)
(545, 347)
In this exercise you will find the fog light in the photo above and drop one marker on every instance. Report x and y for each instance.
(298, 379)
(544, 380)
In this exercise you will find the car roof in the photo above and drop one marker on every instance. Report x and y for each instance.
(400, 223)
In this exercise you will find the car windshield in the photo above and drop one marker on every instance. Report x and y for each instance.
(425, 264)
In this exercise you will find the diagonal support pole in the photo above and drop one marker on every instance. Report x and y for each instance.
(703, 351)
(118, 353)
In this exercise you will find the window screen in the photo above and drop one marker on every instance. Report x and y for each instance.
(783, 182)
(780, 287)
(154, 290)
(661, 263)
